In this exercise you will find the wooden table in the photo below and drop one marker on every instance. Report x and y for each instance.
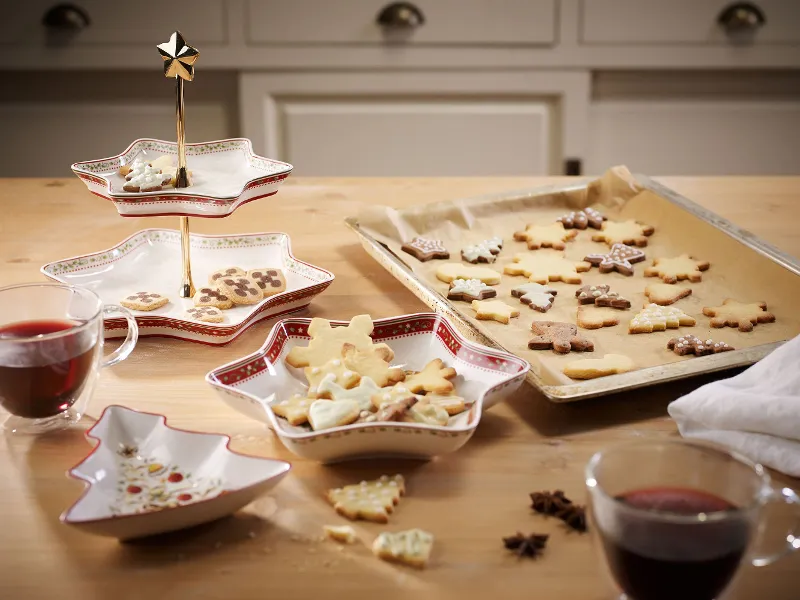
(469, 500)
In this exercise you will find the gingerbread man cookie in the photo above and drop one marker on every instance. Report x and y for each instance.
(327, 342)
(145, 301)
(269, 281)
(666, 293)
(435, 378)
(240, 289)
(468, 290)
(737, 314)
(690, 344)
(537, 296)
(659, 318)
(211, 296)
(672, 270)
(449, 272)
(546, 236)
(227, 272)
(581, 219)
(591, 368)
(425, 249)
(541, 268)
(561, 337)
(631, 232)
(208, 314)
(494, 310)
(620, 258)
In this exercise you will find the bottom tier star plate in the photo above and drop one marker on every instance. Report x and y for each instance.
(150, 260)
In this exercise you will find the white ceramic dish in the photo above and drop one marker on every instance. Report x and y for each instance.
(150, 260)
(250, 384)
(225, 175)
(144, 477)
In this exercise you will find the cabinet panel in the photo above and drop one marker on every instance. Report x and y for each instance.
(696, 137)
(446, 22)
(681, 21)
(414, 138)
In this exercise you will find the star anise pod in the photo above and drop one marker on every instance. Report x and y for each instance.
(574, 516)
(549, 503)
(526, 545)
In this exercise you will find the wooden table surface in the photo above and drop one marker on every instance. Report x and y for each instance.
(271, 549)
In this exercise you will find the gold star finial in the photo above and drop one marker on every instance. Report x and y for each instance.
(179, 57)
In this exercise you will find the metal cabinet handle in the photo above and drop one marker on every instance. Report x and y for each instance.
(400, 15)
(741, 16)
(66, 17)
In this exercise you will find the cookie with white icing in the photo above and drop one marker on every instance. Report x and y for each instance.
(485, 251)
(537, 296)
(468, 290)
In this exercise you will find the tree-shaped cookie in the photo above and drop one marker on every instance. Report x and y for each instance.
(737, 314)
(631, 233)
(368, 500)
(671, 270)
(435, 377)
(561, 337)
(326, 341)
(544, 267)
(659, 318)
(552, 235)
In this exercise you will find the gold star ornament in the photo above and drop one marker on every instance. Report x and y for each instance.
(179, 57)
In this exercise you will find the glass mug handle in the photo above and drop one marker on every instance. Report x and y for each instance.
(787, 496)
(126, 348)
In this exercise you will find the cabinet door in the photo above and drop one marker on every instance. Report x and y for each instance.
(412, 125)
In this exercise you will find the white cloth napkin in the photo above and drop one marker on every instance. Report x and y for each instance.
(756, 412)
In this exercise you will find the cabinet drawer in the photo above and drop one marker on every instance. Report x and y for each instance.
(145, 22)
(682, 22)
(508, 22)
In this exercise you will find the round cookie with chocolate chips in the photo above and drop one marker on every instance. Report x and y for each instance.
(240, 289)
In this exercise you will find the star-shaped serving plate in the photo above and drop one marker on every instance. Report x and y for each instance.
(224, 175)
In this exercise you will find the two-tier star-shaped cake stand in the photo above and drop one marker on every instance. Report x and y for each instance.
(209, 179)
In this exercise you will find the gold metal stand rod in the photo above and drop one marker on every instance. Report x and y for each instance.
(187, 287)
(181, 181)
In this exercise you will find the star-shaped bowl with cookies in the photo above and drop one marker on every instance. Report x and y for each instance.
(408, 386)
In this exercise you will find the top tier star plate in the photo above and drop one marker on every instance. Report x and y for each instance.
(224, 174)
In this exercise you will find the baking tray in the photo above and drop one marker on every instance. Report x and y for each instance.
(398, 267)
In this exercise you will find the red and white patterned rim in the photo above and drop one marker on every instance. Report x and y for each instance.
(274, 306)
(87, 171)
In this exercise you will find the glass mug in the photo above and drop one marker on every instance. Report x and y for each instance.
(674, 519)
(51, 350)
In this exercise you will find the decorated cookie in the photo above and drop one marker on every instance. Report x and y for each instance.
(144, 178)
(369, 500)
(424, 249)
(226, 272)
(537, 296)
(448, 272)
(591, 368)
(339, 373)
(485, 251)
(552, 235)
(541, 268)
(468, 290)
(144, 301)
(665, 293)
(240, 289)
(672, 270)
(632, 233)
(659, 318)
(690, 344)
(561, 337)
(294, 409)
(392, 395)
(737, 314)
(412, 547)
(361, 394)
(593, 317)
(269, 281)
(325, 414)
(435, 378)
(581, 219)
(620, 258)
(392, 411)
(454, 405)
(372, 363)
(601, 295)
(211, 296)
(494, 244)
(493, 310)
(429, 414)
(208, 314)
(326, 342)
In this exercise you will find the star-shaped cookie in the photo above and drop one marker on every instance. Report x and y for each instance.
(537, 296)
(629, 232)
(543, 267)
(561, 337)
(672, 270)
(581, 219)
(620, 258)
(494, 310)
(738, 314)
(552, 235)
